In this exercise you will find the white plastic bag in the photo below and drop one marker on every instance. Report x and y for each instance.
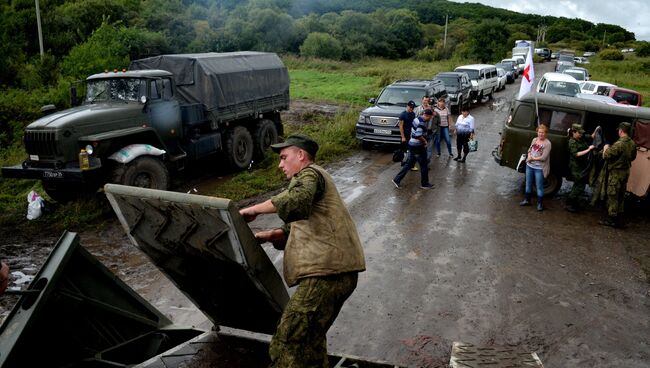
(34, 206)
(128, 153)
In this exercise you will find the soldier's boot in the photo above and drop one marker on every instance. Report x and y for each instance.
(571, 205)
(609, 221)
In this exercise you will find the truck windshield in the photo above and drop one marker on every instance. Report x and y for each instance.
(125, 89)
(451, 82)
(400, 96)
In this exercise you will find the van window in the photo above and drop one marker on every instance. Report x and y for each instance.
(523, 116)
(493, 73)
(626, 97)
(558, 120)
(472, 73)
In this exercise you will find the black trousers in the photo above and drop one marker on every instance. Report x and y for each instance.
(462, 142)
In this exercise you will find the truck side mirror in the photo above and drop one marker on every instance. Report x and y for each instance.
(372, 100)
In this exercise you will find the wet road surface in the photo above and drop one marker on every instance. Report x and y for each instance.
(460, 262)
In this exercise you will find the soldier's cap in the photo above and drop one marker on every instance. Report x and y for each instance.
(577, 128)
(297, 140)
(410, 103)
(625, 126)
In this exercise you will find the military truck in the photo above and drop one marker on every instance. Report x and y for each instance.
(135, 127)
(559, 113)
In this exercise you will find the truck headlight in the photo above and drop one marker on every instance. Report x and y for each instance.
(89, 149)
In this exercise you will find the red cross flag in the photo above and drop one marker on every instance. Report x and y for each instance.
(528, 76)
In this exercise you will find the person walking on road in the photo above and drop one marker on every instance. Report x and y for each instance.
(579, 149)
(464, 132)
(417, 152)
(445, 122)
(432, 124)
(538, 166)
(405, 123)
(322, 254)
(613, 177)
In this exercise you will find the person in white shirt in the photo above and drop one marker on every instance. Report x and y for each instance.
(464, 132)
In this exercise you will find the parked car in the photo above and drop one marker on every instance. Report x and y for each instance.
(459, 89)
(580, 74)
(565, 60)
(514, 65)
(580, 60)
(558, 84)
(502, 79)
(483, 78)
(624, 96)
(378, 123)
(595, 87)
(521, 61)
(589, 54)
(544, 53)
(553, 55)
(510, 71)
(600, 98)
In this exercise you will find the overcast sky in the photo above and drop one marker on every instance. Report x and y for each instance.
(633, 15)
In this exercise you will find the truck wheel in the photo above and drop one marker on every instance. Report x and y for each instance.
(239, 148)
(61, 192)
(265, 135)
(146, 172)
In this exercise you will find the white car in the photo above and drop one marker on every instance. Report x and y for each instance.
(595, 87)
(599, 98)
(502, 79)
(580, 74)
(558, 84)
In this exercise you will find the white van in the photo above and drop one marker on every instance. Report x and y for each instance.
(558, 84)
(483, 78)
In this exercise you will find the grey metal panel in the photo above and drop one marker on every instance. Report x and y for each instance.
(207, 250)
(471, 356)
(77, 308)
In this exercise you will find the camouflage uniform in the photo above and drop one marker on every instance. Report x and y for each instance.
(613, 177)
(578, 167)
(300, 339)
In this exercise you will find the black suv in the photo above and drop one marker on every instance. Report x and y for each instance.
(458, 86)
(379, 123)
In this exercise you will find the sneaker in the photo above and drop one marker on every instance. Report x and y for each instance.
(539, 207)
(456, 158)
(451, 154)
(414, 168)
(428, 186)
(396, 184)
(525, 202)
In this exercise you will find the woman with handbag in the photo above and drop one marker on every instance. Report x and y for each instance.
(464, 132)
(538, 166)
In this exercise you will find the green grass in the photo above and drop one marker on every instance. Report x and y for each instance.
(332, 86)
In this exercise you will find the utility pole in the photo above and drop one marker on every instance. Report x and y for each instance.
(40, 31)
(604, 34)
(444, 43)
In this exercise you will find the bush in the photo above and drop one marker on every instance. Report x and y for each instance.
(321, 45)
(611, 54)
(643, 50)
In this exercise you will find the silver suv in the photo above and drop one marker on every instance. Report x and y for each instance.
(378, 123)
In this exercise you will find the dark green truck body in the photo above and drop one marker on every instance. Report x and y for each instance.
(190, 106)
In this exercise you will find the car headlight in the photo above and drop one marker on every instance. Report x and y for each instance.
(89, 149)
(361, 120)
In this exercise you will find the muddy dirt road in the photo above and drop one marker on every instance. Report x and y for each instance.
(461, 262)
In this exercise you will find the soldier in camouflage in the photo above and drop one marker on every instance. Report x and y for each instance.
(613, 177)
(579, 149)
(322, 254)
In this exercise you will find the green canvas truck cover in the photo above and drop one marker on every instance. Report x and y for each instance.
(222, 80)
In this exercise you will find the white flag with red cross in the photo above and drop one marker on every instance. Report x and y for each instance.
(528, 75)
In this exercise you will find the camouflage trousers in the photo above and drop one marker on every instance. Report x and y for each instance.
(616, 186)
(577, 190)
(300, 340)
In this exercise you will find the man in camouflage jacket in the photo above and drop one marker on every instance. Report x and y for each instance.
(613, 178)
(579, 149)
(322, 254)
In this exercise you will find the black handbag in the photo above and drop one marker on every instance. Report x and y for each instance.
(398, 155)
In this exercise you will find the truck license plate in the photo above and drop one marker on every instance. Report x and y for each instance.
(383, 131)
(53, 174)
